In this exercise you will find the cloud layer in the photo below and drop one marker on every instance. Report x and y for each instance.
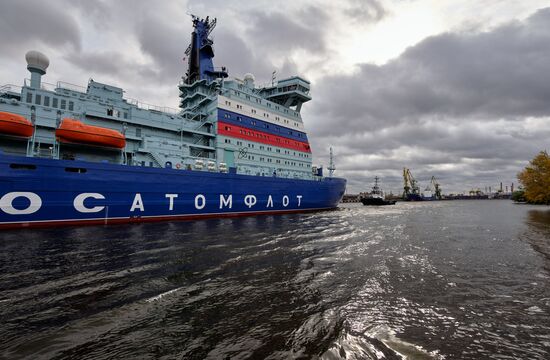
(470, 107)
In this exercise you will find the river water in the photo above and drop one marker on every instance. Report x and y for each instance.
(440, 280)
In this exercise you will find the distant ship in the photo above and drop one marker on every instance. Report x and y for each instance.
(375, 196)
(411, 189)
(72, 155)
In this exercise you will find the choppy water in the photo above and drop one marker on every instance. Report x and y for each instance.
(445, 280)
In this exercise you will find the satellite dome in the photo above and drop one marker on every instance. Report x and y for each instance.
(37, 61)
(249, 80)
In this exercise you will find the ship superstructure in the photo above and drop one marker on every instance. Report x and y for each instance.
(223, 126)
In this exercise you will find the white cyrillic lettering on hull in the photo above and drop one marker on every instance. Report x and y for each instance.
(250, 200)
(200, 202)
(79, 206)
(226, 201)
(137, 203)
(286, 200)
(6, 203)
(171, 197)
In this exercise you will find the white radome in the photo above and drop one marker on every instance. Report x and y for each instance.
(249, 77)
(37, 60)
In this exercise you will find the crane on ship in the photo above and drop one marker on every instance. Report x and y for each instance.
(411, 190)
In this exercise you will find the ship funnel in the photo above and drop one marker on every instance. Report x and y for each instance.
(37, 63)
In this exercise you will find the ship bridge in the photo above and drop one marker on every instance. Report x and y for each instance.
(290, 92)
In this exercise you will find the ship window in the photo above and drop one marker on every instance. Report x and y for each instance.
(71, 106)
(23, 166)
(126, 115)
(46, 101)
(109, 111)
(29, 97)
(76, 170)
(38, 99)
(54, 102)
(138, 132)
(63, 104)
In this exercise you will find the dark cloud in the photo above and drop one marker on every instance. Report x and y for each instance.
(456, 106)
(500, 73)
(25, 24)
(104, 65)
(280, 33)
(365, 10)
(166, 45)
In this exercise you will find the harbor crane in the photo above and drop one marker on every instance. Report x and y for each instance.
(434, 188)
(410, 185)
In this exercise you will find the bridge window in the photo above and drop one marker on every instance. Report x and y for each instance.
(63, 104)
(46, 101)
(71, 106)
(38, 99)
(29, 97)
(54, 102)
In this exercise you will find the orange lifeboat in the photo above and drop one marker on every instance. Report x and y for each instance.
(74, 131)
(13, 124)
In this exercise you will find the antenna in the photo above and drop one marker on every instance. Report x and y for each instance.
(273, 77)
(331, 166)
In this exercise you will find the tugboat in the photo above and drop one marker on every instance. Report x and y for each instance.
(376, 196)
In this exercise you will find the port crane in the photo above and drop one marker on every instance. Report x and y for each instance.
(434, 188)
(410, 185)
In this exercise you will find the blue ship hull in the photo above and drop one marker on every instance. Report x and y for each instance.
(48, 192)
(414, 197)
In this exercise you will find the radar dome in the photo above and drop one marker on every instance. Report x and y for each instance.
(37, 61)
(249, 77)
(249, 80)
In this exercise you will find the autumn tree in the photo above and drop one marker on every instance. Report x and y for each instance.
(536, 179)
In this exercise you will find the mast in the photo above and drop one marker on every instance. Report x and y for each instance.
(331, 166)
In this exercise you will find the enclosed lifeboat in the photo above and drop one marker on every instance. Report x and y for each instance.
(74, 131)
(14, 124)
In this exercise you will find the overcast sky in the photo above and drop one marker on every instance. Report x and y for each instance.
(459, 89)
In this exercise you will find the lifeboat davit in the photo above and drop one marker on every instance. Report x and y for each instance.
(74, 131)
(13, 124)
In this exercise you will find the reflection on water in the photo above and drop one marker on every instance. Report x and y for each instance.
(441, 280)
(538, 235)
